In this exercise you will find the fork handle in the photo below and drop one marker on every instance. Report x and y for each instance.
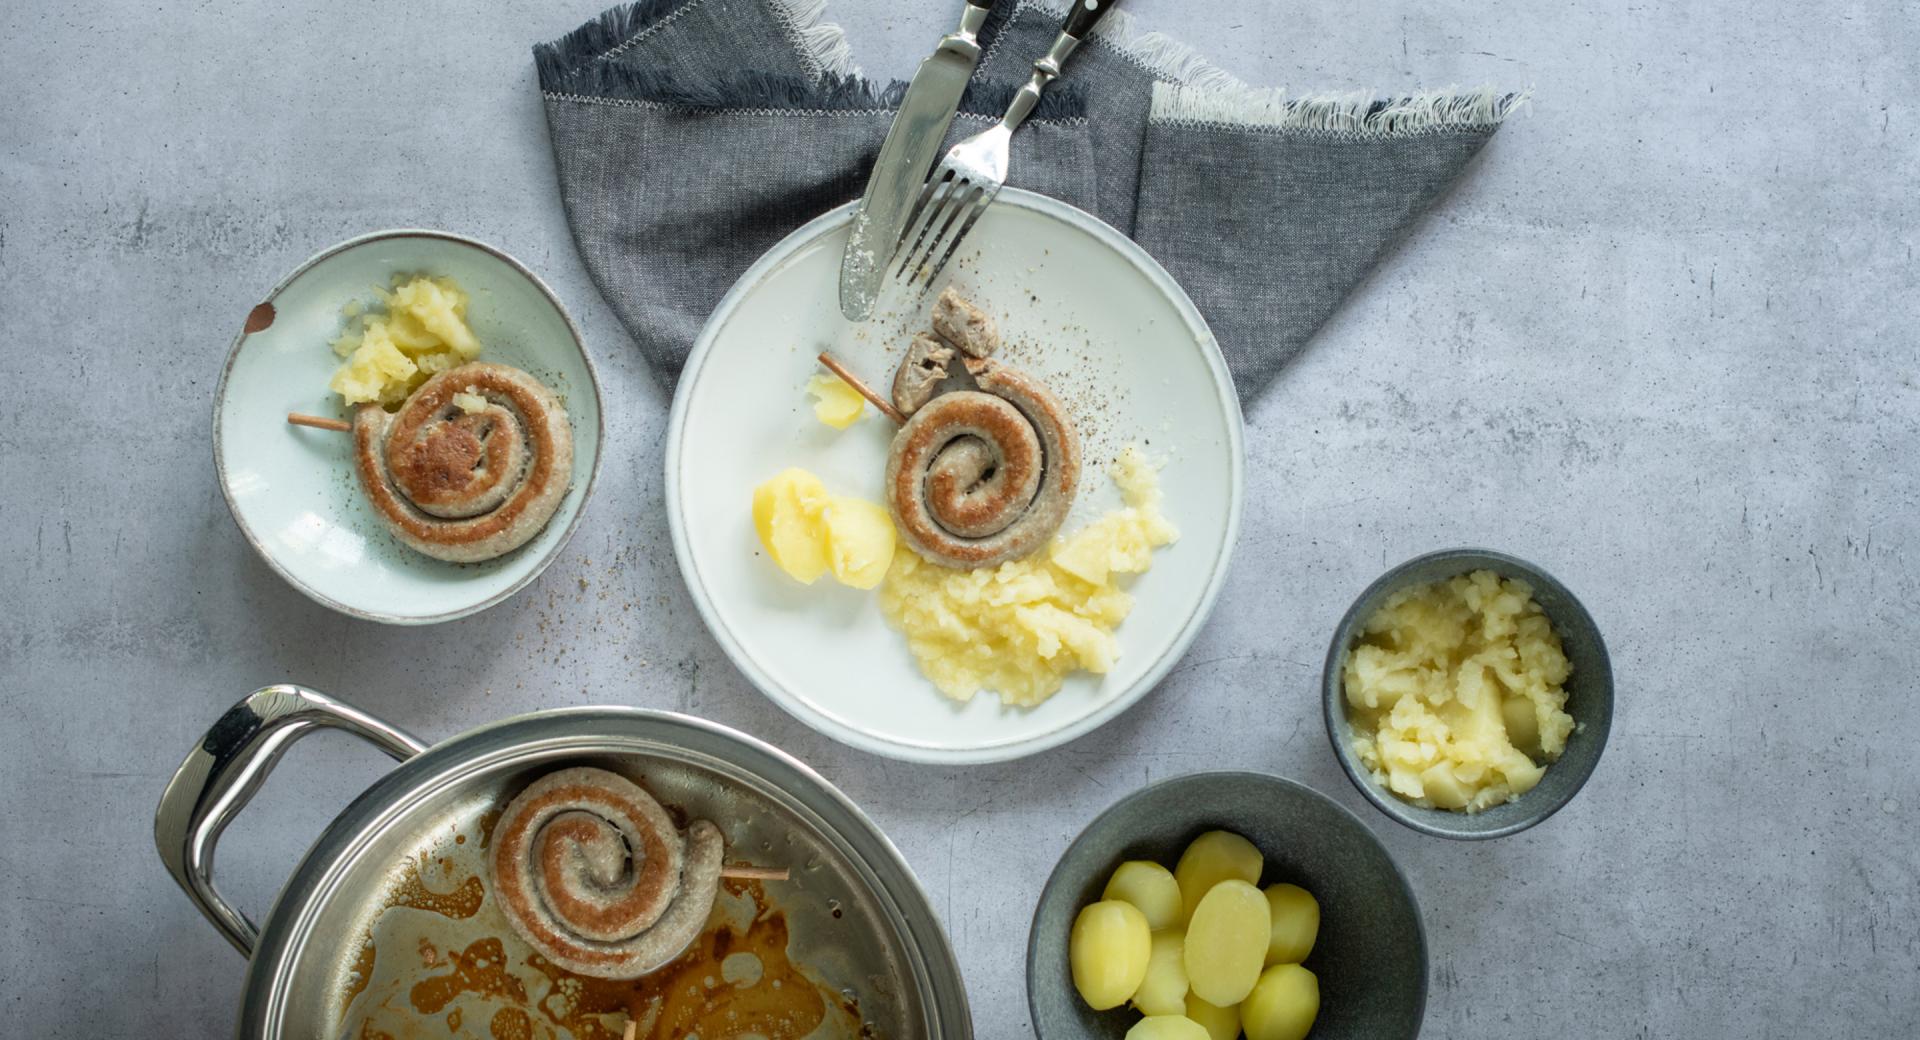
(1081, 19)
(1085, 15)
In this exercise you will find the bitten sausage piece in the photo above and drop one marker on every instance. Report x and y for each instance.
(928, 364)
(964, 325)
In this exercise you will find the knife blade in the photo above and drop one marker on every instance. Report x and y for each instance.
(912, 144)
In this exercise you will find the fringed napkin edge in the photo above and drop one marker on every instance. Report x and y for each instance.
(580, 67)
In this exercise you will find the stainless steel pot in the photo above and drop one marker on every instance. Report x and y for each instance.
(857, 917)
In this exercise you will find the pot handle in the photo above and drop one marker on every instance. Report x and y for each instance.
(221, 775)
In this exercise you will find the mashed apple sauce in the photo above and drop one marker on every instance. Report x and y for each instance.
(1021, 627)
(1455, 691)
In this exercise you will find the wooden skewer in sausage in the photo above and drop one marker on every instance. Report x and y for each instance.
(591, 871)
(457, 484)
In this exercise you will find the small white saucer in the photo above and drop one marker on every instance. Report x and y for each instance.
(1080, 306)
(293, 491)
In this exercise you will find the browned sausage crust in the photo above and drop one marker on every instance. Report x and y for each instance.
(976, 478)
(463, 486)
(589, 869)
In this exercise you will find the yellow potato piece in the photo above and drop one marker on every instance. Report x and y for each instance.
(1167, 1027)
(787, 515)
(1021, 628)
(860, 541)
(1152, 890)
(1212, 858)
(1108, 951)
(1457, 693)
(1227, 942)
(1222, 1023)
(422, 331)
(1164, 989)
(834, 402)
(374, 366)
(1296, 923)
(1283, 1005)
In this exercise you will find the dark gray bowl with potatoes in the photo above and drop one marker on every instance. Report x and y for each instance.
(1589, 696)
(1370, 956)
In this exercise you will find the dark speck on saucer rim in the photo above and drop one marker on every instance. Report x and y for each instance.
(1589, 696)
(1371, 955)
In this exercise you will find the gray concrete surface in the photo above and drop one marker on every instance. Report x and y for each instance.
(1661, 341)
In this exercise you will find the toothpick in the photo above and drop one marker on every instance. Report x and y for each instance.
(757, 873)
(834, 365)
(318, 423)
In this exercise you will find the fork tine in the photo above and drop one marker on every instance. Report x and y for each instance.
(952, 213)
(932, 200)
(977, 207)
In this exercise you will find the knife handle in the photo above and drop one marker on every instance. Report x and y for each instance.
(1085, 15)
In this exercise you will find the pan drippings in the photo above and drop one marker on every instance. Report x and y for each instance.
(439, 963)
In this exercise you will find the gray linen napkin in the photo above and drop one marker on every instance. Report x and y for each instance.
(692, 135)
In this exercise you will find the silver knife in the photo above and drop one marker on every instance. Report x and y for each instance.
(901, 170)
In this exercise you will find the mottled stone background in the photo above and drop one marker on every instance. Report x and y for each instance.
(1661, 340)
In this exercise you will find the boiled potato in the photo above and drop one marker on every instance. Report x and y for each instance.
(834, 402)
(1212, 858)
(1296, 923)
(787, 515)
(1222, 1023)
(1152, 890)
(1167, 1027)
(1108, 951)
(1283, 1005)
(1164, 990)
(860, 541)
(1227, 941)
(1522, 720)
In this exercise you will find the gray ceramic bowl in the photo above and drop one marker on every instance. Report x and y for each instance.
(1371, 957)
(1589, 696)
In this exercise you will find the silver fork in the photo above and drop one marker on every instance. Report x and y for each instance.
(974, 170)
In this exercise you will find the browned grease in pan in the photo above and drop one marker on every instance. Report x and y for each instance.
(361, 972)
(693, 996)
(735, 981)
(488, 821)
(511, 1024)
(480, 969)
(461, 903)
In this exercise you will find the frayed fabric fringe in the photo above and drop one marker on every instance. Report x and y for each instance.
(822, 46)
(1359, 114)
(766, 92)
(1164, 57)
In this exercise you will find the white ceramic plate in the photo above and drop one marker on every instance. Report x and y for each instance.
(1080, 306)
(293, 491)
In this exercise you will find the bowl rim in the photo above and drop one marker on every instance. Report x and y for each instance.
(388, 617)
(1054, 879)
(1108, 708)
(1332, 697)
